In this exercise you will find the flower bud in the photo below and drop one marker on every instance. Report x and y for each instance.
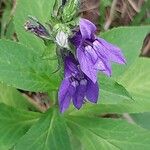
(62, 39)
(34, 26)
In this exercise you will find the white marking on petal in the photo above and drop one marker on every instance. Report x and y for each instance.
(83, 82)
(74, 83)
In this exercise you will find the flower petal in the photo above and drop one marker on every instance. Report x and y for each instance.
(113, 52)
(86, 64)
(76, 40)
(79, 95)
(70, 66)
(64, 95)
(92, 91)
(87, 28)
(99, 48)
(90, 52)
(103, 66)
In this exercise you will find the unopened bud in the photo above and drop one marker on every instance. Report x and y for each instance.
(34, 26)
(62, 39)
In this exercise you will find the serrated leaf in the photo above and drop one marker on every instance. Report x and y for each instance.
(49, 133)
(41, 9)
(105, 134)
(22, 68)
(14, 124)
(130, 40)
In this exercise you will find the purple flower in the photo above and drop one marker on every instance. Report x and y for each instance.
(76, 86)
(95, 54)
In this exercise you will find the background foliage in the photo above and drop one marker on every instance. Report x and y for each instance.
(28, 85)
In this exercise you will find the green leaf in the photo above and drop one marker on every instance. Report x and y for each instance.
(140, 18)
(14, 124)
(41, 9)
(137, 81)
(6, 17)
(142, 119)
(111, 92)
(10, 96)
(22, 68)
(130, 40)
(137, 78)
(124, 107)
(10, 30)
(105, 134)
(49, 133)
(103, 5)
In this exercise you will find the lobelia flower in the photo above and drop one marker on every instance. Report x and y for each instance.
(76, 86)
(93, 53)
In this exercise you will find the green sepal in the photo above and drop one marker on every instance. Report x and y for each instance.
(70, 10)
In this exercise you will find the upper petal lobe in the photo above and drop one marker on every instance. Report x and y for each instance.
(87, 28)
(113, 53)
